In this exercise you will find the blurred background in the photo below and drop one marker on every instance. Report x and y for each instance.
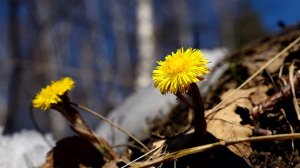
(110, 47)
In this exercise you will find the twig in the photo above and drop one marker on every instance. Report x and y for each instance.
(198, 149)
(213, 110)
(291, 128)
(292, 83)
(111, 123)
(142, 156)
(271, 103)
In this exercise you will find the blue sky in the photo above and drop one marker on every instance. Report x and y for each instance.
(271, 11)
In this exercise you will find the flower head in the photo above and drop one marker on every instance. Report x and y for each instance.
(179, 70)
(51, 94)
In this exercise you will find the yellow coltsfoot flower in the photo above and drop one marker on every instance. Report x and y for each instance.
(51, 94)
(179, 70)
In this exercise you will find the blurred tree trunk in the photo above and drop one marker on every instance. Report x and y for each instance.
(145, 43)
(45, 21)
(87, 54)
(239, 23)
(124, 67)
(183, 23)
(95, 67)
(16, 74)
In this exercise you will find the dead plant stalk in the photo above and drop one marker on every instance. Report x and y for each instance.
(198, 149)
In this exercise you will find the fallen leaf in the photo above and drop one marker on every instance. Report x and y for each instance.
(254, 63)
(73, 152)
(260, 94)
(49, 161)
(227, 123)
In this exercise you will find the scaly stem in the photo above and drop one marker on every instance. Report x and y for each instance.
(193, 100)
(198, 108)
(83, 130)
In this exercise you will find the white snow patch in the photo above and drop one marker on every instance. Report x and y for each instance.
(214, 56)
(23, 149)
(134, 113)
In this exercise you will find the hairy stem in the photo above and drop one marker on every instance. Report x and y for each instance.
(198, 108)
(193, 100)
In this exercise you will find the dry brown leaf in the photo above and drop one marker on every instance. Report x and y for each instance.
(260, 94)
(257, 61)
(72, 152)
(227, 124)
(49, 161)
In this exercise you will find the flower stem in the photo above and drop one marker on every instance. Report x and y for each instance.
(83, 130)
(193, 100)
(198, 108)
(111, 123)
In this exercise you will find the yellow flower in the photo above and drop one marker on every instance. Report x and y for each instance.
(51, 93)
(179, 70)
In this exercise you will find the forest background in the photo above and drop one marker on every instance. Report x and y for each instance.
(110, 46)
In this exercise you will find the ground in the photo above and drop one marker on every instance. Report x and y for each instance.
(272, 111)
